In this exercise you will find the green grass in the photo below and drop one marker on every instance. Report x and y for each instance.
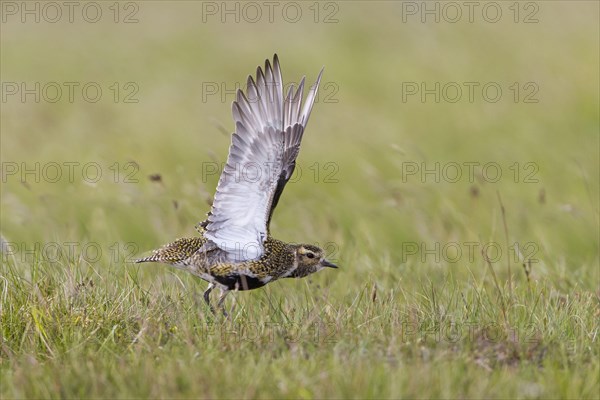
(401, 317)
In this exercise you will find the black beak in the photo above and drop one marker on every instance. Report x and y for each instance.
(326, 263)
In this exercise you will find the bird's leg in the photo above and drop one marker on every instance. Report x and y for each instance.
(209, 289)
(224, 293)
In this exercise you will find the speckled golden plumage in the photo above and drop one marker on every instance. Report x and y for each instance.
(280, 260)
(277, 261)
(175, 252)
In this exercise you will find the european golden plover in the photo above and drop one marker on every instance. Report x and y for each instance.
(235, 250)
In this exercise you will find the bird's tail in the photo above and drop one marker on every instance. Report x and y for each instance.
(175, 252)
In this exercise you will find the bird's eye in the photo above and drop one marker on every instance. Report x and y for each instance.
(310, 255)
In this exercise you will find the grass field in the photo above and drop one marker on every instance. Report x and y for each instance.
(431, 144)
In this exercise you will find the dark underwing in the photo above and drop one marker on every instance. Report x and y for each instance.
(239, 282)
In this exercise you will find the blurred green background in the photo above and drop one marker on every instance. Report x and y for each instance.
(167, 72)
(170, 57)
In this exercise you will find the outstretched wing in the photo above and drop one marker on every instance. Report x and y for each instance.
(262, 158)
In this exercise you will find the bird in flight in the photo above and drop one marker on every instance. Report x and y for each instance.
(235, 250)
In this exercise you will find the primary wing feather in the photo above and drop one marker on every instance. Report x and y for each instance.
(262, 158)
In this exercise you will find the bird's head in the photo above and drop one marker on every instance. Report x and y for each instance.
(310, 259)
